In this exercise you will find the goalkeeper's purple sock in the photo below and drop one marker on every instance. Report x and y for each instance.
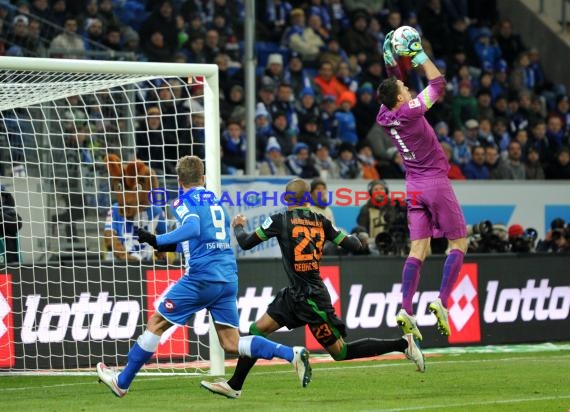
(451, 269)
(410, 281)
(135, 360)
(260, 347)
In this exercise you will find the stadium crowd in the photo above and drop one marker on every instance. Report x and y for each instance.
(500, 118)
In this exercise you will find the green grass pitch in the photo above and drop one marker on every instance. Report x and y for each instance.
(538, 381)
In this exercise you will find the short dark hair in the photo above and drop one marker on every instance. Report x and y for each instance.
(388, 92)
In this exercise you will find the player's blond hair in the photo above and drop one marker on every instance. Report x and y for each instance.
(190, 170)
(300, 188)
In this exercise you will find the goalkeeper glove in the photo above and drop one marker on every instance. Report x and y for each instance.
(411, 45)
(146, 237)
(388, 50)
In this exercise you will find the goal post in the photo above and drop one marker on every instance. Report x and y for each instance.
(69, 295)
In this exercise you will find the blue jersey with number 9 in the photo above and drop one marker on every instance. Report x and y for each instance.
(209, 256)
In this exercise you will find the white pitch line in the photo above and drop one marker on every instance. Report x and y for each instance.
(464, 404)
(329, 368)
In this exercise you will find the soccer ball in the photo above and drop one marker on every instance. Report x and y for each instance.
(406, 41)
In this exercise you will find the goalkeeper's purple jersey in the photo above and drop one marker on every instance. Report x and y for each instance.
(413, 135)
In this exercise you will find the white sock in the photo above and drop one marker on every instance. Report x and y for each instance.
(148, 341)
(244, 345)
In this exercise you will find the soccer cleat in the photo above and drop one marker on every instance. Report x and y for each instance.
(408, 324)
(437, 308)
(302, 366)
(414, 353)
(221, 387)
(109, 376)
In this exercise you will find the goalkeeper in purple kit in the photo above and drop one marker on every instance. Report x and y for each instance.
(436, 211)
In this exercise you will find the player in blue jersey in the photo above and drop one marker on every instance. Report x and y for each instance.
(435, 211)
(210, 282)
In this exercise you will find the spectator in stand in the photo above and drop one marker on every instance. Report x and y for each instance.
(510, 43)
(321, 199)
(394, 168)
(484, 107)
(93, 34)
(514, 160)
(442, 132)
(159, 31)
(562, 110)
(297, 76)
(263, 131)
(233, 106)
(454, 172)
(327, 167)
(307, 107)
(68, 44)
(560, 168)
(212, 45)
(300, 163)
(375, 29)
(500, 83)
(273, 73)
(131, 41)
(501, 134)
(234, 145)
(486, 137)
(367, 160)
(58, 12)
(372, 71)
(476, 168)
(534, 169)
(348, 165)
(472, 133)
(365, 109)
(156, 145)
(333, 53)
(344, 75)
(266, 95)
(380, 142)
(284, 103)
(497, 166)
(557, 138)
(195, 26)
(522, 76)
(112, 38)
(346, 123)
(501, 107)
(18, 33)
(274, 162)
(522, 138)
(310, 133)
(194, 50)
(302, 39)
(486, 48)
(357, 41)
(326, 82)
(434, 22)
(90, 11)
(328, 119)
(461, 151)
(280, 128)
(107, 15)
(464, 105)
(316, 24)
(273, 21)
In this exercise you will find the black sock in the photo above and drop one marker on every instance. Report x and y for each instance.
(243, 367)
(365, 348)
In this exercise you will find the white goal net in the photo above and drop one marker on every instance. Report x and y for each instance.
(87, 153)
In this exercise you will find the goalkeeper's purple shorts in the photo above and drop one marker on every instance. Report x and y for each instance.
(435, 211)
(188, 296)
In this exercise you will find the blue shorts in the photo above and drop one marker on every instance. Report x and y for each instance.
(189, 296)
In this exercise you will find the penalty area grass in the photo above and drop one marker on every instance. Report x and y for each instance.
(459, 382)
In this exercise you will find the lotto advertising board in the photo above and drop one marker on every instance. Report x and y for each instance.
(49, 322)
